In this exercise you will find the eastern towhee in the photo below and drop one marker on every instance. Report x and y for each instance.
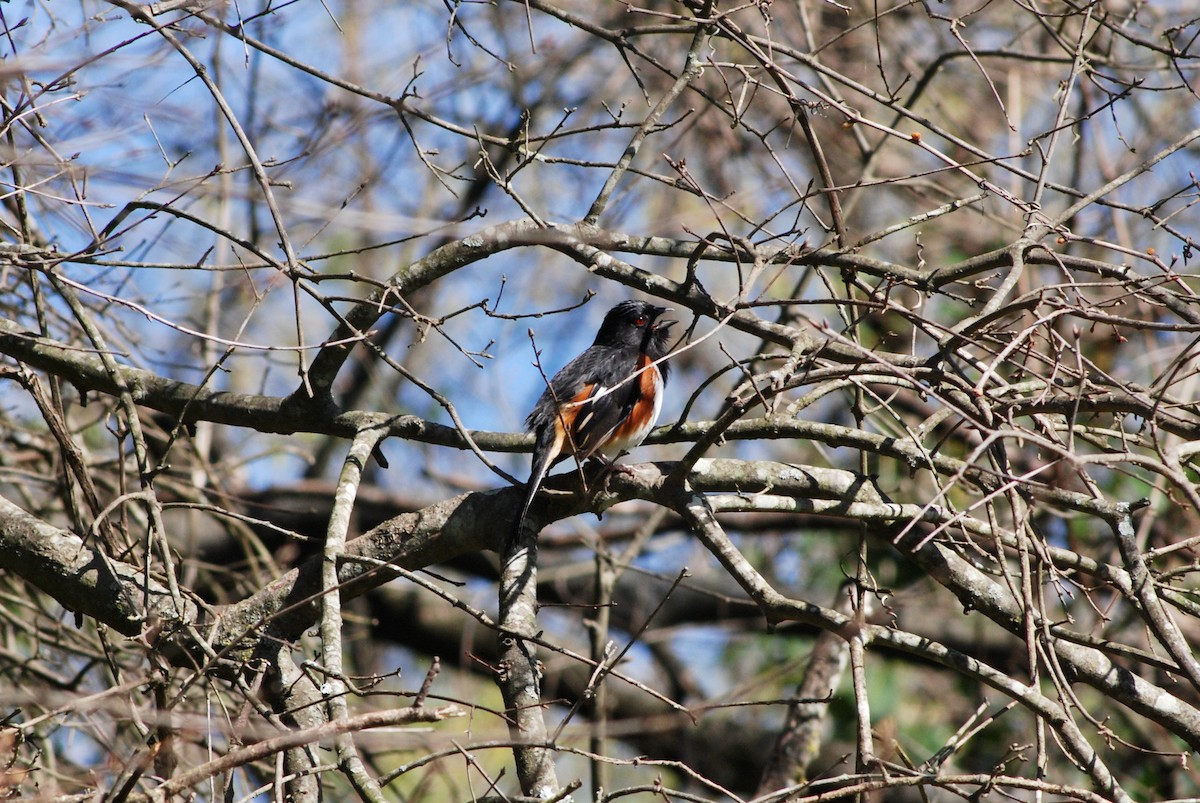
(606, 400)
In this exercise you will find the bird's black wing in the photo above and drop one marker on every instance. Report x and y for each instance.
(609, 402)
(569, 397)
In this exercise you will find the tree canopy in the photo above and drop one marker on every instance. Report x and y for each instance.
(282, 280)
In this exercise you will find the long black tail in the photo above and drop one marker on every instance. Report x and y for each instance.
(544, 453)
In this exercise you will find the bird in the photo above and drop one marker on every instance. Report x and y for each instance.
(605, 401)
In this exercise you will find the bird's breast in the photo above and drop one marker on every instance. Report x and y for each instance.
(634, 429)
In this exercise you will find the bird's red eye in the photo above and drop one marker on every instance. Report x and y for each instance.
(639, 320)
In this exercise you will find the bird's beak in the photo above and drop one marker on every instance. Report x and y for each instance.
(662, 324)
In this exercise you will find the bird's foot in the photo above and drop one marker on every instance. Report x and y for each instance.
(621, 468)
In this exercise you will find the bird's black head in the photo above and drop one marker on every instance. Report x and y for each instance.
(636, 324)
